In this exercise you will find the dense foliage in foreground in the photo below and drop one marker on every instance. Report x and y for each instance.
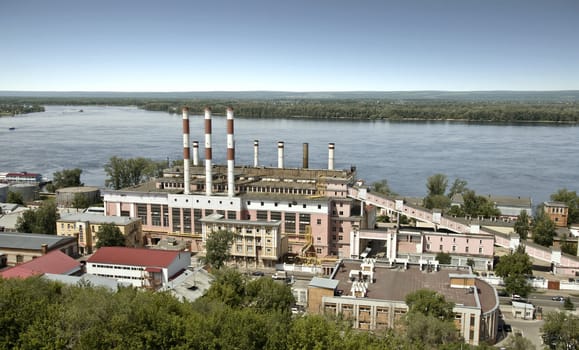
(236, 313)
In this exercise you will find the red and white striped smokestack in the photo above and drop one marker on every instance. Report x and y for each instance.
(208, 153)
(186, 154)
(196, 153)
(230, 153)
(280, 154)
(256, 153)
(331, 147)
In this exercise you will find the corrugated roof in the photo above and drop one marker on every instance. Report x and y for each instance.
(97, 218)
(31, 241)
(324, 283)
(136, 256)
(54, 262)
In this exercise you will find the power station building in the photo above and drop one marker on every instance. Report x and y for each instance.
(300, 211)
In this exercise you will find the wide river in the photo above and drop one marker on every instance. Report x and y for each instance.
(515, 160)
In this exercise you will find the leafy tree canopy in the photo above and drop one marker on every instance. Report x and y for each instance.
(109, 235)
(543, 230)
(123, 173)
(14, 197)
(67, 178)
(443, 258)
(562, 330)
(523, 225)
(217, 248)
(429, 303)
(516, 263)
(382, 187)
(40, 220)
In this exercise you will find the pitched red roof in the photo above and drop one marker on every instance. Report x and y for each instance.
(55, 262)
(134, 256)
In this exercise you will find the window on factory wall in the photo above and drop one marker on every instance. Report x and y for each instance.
(142, 213)
(304, 222)
(187, 220)
(290, 222)
(261, 215)
(176, 214)
(125, 213)
(165, 216)
(275, 215)
(318, 250)
(196, 217)
(156, 214)
(231, 215)
(319, 221)
(466, 249)
(340, 237)
(221, 212)
(208, 212)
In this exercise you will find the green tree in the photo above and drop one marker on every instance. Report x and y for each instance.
(430, 303)
(568, 247)
(79, 201)
(14, 197)
(444, 258)
(543, 230)
(123, 173)
(429, 321)
(382, 187)
(518, 342)
(523, 225)
(436, 184)
(457, 187)
(572, 200)
(217, 248)
(265, 294)
(568, 304)
(40, 220)
(67, 178)
(109, 235)
(514, 268)
(561, 329)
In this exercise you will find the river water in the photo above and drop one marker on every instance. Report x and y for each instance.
(515, 160)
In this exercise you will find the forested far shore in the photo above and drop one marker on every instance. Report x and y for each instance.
(353, 109)
(10, 109)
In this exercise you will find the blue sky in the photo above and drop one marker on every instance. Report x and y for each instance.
(296, 45)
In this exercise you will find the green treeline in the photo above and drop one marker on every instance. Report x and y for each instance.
(390, 110)
(234, 314)
(9, 109)
(344, 108)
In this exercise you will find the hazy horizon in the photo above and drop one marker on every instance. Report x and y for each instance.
(298, 46)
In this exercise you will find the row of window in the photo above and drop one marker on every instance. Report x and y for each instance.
(466, 250)
(119, 267)
(120, 277)
(290, 205)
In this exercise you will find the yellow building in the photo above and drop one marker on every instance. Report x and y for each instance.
(86, 226)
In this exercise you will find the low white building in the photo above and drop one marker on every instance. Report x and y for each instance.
(143, 268)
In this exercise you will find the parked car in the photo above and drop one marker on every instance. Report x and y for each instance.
(257, 273)
(516, 297)
(558, 298)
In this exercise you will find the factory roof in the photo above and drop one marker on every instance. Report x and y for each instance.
(395, 283)
(134, 256)
(556, 204)
(31, 241)
(96, 218)
(324, 283)
(54, 262)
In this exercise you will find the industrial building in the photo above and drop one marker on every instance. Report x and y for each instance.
(372, 296)
(317, 215)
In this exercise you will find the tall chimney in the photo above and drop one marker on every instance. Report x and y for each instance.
(256, 153)
(230, 153)
(306, 156)
(44, 249)
(196, 153)
(331, 147)
(280, 154)
(186, 154)
(208, 154)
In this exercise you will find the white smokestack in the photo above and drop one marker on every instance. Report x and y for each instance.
(255, 153)
(195, 153)
(186, 154)
(230, 153)
(331, 147)
(208, 153)
(280, 154)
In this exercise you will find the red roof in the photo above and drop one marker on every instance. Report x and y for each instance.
(54, 262)
(134, 256)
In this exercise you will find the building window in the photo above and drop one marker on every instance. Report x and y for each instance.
(19, 259)
(454, 248)
(155, 214)
(165, 216)
(340, 237)
(480, 250)
(231, 215)
(466, 249)
(319, 221)
(275, 215)
(261, 215)
(290, 222)
(440, 247)
(187, 220)
(318, 250)
(304, 222)
(142, 213)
